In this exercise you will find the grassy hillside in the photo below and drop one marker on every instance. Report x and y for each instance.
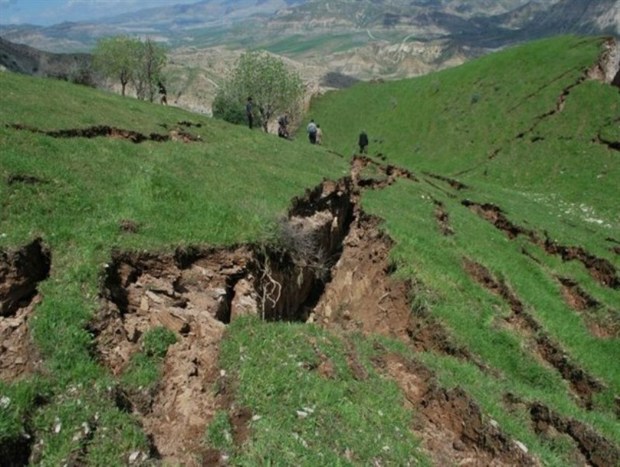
(462, 298)
(512, 171)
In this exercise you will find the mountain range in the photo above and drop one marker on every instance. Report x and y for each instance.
(330, 42)
(473, 23)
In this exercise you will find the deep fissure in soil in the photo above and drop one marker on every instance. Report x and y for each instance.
(20, 273)
(194, 292)
(106, 131)
(449, 423)
(597, 450)
(582, 384)
(600, 269)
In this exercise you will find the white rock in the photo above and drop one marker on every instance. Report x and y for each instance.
(521, 446)
(133, 457)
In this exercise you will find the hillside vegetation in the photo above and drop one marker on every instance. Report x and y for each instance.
(176, 290)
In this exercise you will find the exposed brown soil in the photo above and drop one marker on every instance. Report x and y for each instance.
(599, 321)
(547, 433)
(575, 296)
(194, 293)
(599, 268)
(582, 384)
(388, 173)
(363, 296)
(191, 293)
(597, 450)
(360, 295)
(496, 216)
(330, 266)
(443, 219)
(20, 273)
(112, 132)
(448, 423)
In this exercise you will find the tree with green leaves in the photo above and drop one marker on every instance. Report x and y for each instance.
(150, 60)
(129, 60)
(274, 88)
(115, 58)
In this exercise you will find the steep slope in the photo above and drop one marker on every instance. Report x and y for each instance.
(510, 235)
(461, 121)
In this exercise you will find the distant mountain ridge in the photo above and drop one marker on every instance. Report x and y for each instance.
(485, 23)
(349, 39)
(28, 60)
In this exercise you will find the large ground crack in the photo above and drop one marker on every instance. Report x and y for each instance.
(602, 323)
(600, 269)
(330, 265)
(177, 134)
(606, 70)
(582, 384)
(449, 423)
(195, 292)
(597, 450)
(20, 273)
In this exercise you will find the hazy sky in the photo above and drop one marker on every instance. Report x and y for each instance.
(47, 12)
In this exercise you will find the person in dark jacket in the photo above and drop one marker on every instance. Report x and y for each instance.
(311, 129)
(163, 94)
(363, 142)
(283, 126)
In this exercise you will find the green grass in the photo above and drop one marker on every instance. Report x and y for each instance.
(234, 185)
(334, 420)
(144, 368)
(230, 188)
(555, 179)
(452, 121)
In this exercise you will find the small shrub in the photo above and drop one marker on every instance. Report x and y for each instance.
(157, 340)
(219, 432)
(228, 109)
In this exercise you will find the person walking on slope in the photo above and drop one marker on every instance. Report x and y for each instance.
(311, 132)
(163, 94)
(363, 142)
(283, 126)
(319, 135)
(248, 112)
